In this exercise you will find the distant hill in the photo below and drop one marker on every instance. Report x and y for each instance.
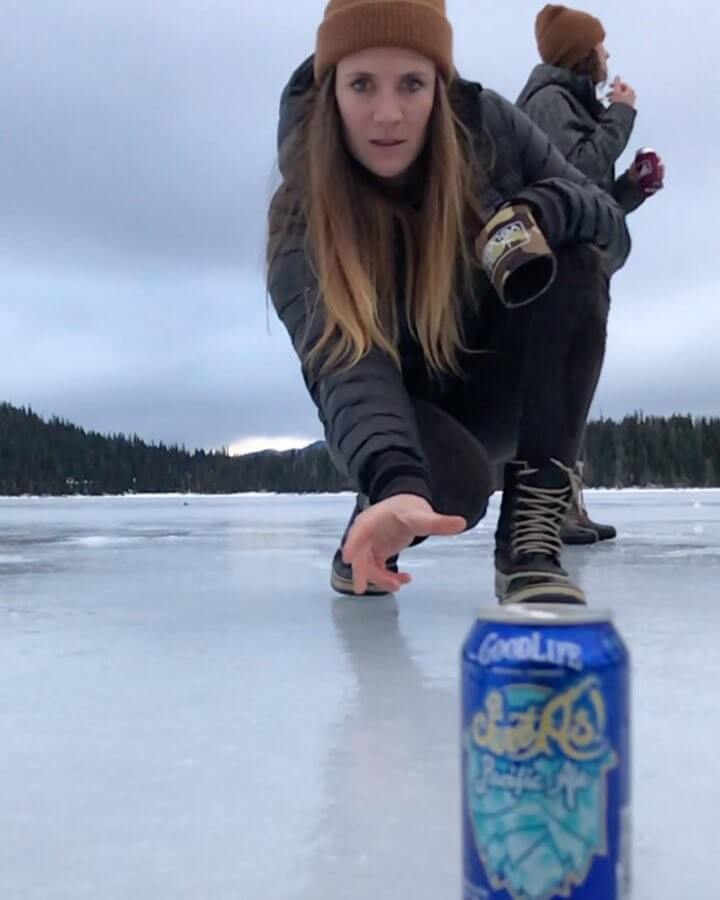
(56, 457)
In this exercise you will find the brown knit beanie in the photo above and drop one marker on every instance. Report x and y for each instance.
(353, 25)
(566, 36)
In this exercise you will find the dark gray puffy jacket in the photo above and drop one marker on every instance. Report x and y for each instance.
(366, 411)
(590, 136)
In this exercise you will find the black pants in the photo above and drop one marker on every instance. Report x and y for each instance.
(526, 388)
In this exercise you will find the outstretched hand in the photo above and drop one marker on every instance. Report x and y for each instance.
(385, 529)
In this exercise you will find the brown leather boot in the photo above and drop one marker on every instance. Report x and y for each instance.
(578, 527)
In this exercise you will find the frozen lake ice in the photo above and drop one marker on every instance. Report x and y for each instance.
(187, 711)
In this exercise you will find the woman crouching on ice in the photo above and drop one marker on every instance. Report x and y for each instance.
(443, 274)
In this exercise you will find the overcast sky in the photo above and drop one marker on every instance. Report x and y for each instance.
(137, 158)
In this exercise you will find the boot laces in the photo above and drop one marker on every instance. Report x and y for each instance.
(538, 518)
(578, 497)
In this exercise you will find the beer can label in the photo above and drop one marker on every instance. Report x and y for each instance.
(544, 768)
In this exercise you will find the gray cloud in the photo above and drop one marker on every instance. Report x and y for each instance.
(137, 157)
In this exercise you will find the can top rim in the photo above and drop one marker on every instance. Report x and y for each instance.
(540, 614)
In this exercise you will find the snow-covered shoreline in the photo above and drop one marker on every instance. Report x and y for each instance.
(254, 495)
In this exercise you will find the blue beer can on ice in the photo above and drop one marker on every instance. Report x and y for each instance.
(545, 756)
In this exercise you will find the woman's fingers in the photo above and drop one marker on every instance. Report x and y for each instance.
(423, 524)
(380, 576)
(382, 531)
(360, 562)
(359, 538)
(368, 571)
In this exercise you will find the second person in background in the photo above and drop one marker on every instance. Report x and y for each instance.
(561, 97)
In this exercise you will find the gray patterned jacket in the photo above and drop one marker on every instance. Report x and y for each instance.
(590, 136)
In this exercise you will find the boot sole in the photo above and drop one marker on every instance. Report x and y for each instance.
(555, 592)
(580, 540)
(344, 586)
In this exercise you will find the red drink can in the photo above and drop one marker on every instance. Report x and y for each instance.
(647, 163)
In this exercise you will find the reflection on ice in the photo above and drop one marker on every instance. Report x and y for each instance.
(187, 711)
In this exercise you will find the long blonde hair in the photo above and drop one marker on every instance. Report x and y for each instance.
(352, 228)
